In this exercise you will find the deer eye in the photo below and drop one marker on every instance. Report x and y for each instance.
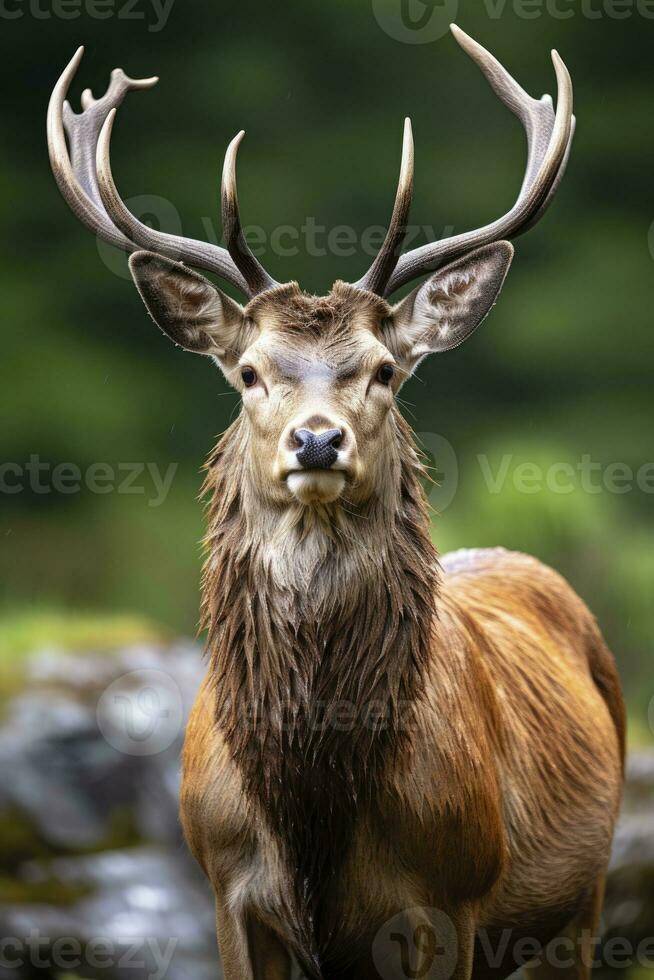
(248, 376)
(385, 374)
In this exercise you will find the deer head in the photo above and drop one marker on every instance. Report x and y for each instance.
(318, 375)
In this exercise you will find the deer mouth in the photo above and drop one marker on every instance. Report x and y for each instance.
(317, 485)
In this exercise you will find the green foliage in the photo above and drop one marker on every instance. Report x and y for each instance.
(562, 368)
(79, 631)
(22, 633)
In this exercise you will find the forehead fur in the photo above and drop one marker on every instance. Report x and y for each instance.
(289, 309)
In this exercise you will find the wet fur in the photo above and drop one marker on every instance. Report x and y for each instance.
(342, 626)
(488, 789)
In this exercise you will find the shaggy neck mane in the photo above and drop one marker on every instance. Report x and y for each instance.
(319, 629)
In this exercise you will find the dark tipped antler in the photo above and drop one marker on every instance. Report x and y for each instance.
(549, 138)
(256, 276)
(85, 179)
(382, 268)
(79, 147)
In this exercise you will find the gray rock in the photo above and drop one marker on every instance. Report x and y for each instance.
(629, 906)
(148, 906)
(71, 782)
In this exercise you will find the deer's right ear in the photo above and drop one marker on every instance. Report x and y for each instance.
(193, 312)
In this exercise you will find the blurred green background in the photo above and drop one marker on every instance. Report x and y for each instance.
(561, 370)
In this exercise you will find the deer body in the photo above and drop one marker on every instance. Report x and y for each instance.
(492, 797)
(447, 801)
(391, 761)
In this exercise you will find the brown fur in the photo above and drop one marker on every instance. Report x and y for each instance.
(376, 733)
(292, 668)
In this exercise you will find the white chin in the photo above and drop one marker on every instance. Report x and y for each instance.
(316, 486)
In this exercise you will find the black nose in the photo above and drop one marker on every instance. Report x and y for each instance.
(317, 451)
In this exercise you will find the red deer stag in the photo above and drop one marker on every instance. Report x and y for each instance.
(379, 734)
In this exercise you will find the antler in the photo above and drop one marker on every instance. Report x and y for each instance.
(85, 180)
(256, 276)
(549, 139)
(386, 260)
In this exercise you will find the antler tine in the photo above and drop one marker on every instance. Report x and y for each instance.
(555, 184)
(536, 115)
(376, 278)
(254, 273)
(549, 138)
(201, 254)
(80, 198)
(78, 145)
(83, 130)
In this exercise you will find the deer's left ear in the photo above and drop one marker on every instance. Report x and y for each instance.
(449, 306)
